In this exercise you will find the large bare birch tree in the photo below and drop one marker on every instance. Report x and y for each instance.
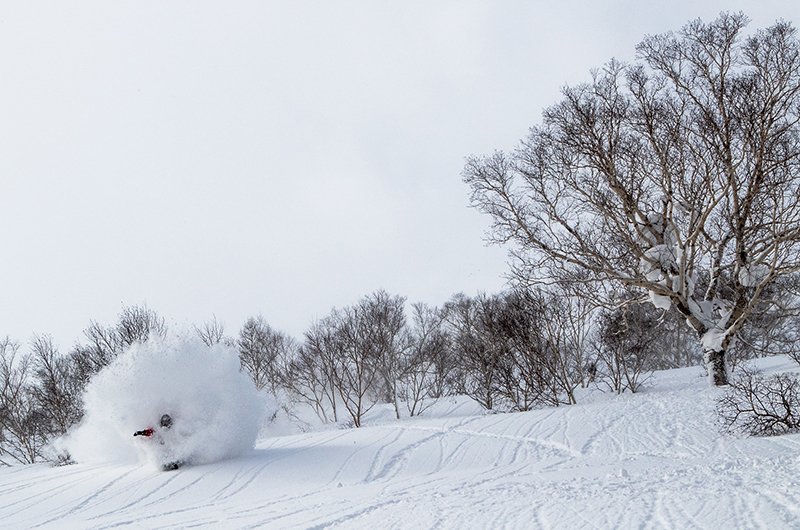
(676, 176)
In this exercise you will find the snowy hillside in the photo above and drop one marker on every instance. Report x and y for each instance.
(651, 460)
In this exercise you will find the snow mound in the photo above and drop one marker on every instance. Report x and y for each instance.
(215, 409)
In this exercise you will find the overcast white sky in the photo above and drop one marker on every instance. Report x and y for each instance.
(232, 158)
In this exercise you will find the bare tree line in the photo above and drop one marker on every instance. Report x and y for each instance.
(511, 351)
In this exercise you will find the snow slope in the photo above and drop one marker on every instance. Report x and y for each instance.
(651, 460)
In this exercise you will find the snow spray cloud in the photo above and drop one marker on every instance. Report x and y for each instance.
(215, 409)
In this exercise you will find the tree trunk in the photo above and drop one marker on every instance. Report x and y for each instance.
(716, 366)
(395, 402)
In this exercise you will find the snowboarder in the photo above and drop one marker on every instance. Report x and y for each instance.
(165, 423)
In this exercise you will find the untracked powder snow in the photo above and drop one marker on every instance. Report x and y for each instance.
(215, 409)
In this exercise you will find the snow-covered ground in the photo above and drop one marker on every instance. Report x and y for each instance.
(650, 460)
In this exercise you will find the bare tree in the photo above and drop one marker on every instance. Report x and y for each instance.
(213, 332)
(135, 324)
(521, 349)
(355, 357)
(264, 352)
(314, 373)
(427, 368)
(477, 345)
(626, 344)
(567, 325)
(356, 371)
(57, 391)
(526, 375)
(665, 176)
(548, 332)
(21, 436)
(384, 321)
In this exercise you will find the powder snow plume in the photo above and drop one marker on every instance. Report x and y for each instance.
(216, 410)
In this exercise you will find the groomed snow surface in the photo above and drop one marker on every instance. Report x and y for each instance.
(650, 460)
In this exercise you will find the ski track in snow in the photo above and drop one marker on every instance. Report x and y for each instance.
(654, 460)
